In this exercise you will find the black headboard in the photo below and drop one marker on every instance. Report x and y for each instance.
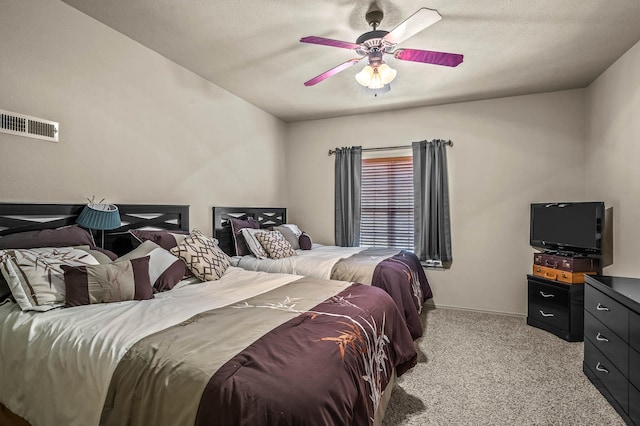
(266, 216)
(30, 217)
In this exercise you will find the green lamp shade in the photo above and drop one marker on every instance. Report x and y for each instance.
(99, 216)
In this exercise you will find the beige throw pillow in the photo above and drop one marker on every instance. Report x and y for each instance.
(203, 256)
(276, 246)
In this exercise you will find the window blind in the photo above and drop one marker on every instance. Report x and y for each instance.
(387, 203)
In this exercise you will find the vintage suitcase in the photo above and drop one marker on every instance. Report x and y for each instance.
(566, 263)
(560, 275)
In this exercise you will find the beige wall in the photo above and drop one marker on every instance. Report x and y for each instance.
(508, 153)
(135, 127)
(613, 156)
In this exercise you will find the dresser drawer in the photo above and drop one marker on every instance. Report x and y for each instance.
(558, 275)
(609, 312)
(550, 314)
(634, 330)
(564, 263)
(615, 382)
(609, 343)
(548, 294)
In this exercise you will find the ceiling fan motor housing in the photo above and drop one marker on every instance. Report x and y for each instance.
(371, 36)
(372, 42)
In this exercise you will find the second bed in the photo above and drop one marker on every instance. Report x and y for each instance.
(398, 272)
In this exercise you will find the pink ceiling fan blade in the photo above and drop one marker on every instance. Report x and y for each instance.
(333, 71)
(411, 26)
(429, 57)
(329, 42)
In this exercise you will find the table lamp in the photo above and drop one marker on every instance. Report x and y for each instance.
(100, 217)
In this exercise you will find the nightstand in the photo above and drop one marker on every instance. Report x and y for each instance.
(556, 307)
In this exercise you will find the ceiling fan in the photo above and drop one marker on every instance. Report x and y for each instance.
(376, 43)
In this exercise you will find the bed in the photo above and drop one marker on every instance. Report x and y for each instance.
(398, 272)
(248, 348)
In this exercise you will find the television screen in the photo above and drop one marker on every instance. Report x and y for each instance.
(573, 227)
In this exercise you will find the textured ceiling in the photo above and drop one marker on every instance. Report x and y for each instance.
(251, 48)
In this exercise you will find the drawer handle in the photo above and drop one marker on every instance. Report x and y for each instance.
(544, 314)
(602, 308)
(543, 294)
(601, 338)
(600, 368)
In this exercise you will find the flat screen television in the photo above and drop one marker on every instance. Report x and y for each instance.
(567, 227)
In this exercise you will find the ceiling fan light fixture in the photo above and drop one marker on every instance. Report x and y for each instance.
(376, 77)
(364, 77)
(376, 80)
(387, 74)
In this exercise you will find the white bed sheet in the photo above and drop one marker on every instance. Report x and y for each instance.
(47, 383)
(317, 262)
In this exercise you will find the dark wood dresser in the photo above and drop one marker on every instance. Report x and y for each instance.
(556, 307)
(612, 341)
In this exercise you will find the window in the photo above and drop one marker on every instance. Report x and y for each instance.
(387, 202)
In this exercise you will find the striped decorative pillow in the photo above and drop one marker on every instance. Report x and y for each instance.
(112, 282)
(165, 269)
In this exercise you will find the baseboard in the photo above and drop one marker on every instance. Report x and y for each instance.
(431, 305)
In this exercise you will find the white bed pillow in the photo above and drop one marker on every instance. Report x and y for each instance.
(252, 243)
(35, 276)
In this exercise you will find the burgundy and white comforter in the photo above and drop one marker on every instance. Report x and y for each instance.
(398, 272)
(251, 348)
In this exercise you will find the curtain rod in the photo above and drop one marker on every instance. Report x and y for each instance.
(388, 148)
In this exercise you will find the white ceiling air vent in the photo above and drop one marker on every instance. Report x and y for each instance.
(25, 125)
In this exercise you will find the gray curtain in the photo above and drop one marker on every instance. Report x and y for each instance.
(432, 222)
(348, 179)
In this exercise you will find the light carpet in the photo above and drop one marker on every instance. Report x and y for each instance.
(488, 369)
